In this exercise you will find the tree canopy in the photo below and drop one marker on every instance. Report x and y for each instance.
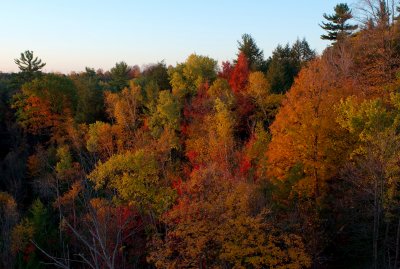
(291, 162)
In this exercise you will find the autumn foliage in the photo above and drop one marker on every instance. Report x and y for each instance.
(286, 162)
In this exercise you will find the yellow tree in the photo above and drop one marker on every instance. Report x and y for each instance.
(259, 90)
(307, 149)
(123, 107)
(212, 226)
(373, 167)
(221, 141)
(305, 130)
(211, 136)
(187, 77)
(134, 178)
(101, 139)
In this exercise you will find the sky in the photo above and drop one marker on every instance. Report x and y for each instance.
(70, 35)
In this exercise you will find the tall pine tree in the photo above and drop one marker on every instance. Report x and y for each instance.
(337, 27)
(253, 53)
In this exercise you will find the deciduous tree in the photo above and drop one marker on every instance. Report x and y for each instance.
(187, 77)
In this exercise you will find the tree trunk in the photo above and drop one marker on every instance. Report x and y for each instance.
(386, 246)
(397, 245)
(315, 159)
(376, 226)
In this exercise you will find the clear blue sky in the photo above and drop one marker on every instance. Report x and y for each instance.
(69, 35)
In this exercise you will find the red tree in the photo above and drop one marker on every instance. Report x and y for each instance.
(240, 74)
(226, 72)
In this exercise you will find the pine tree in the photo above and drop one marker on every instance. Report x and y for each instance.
(29, 65)
(254, 55)
(119, 76)
(337, 26)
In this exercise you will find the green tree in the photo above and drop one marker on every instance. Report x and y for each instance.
(134, 178)
(337, 27)
(29, 65)
(119, 76)
(187, 77)
(302, 53)
(286, 62)
(59, 90)
(157, 73)
(37, 230)
(281, 71)
(166, 115)
(254, 55)
(90, 103)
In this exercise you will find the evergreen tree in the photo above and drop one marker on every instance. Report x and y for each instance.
(281, 69)
(337, 27)
(155, 74)
(29, 65)
(90, 103)
(119, 76)
(286, 62)
(254, 55)
(302, 53)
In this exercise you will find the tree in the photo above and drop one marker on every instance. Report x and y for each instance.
(267, 103)
(221, 89)
(254, 55)
(28, 65)
(253, 162)
(375, 49)
(308, 146)
(212, 226)
(123, 107)
(305, 126)
(167, 114)
(119, 76)
(286, 62)
(210, 134)
(226, 71)
(302, 53)
(45, 103)
(8, 219)
(101, 139)
(194, 127)
(186, 78)
(240, 74)
(373, 170)
(378, 13)
(337, 26)
(281, 71)
(37, 230)
(134, 179)
(103, 237)
(157, 73)
(221, 140)
(90, 104)
(244, 106)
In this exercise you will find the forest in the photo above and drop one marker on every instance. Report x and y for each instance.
(288, 161)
